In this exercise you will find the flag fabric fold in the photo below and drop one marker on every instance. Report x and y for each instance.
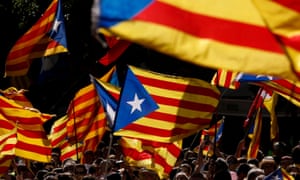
(157, 156)
(285, 26)
(233, 39)
(225, 79)
(286, 88)
(32, 139)
(7, 150)
(58, 138)
(186, 105)
(46, 37)
(116, 49)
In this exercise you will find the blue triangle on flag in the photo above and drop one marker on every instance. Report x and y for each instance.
(135, 102)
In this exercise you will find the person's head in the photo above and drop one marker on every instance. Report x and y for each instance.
(285, 161)
(253, 173)
(181, 176)
(296, 154)
(268, 165)
(69, 165)
(89, 157)
(186, 168)
(80, 170)
(40, 174)
(147, 174)
(220, 165)
(253, 161)
(198, 176)
(232, 162)
(242, 171)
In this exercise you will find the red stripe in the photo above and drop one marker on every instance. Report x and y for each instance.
(43, 150)
(162, 161)
(228, 78)
(181, 103)
(8, 147)
(293, 41)
(136, 155)
(40, 134)
(291, 4)
(158, 131)
(201, 26)
(177, 118)
(177, 87)
(5, 124)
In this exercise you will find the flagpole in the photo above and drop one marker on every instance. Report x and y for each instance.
(75, 131)
(108, 153)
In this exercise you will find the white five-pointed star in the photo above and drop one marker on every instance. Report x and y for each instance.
(56, 25)
(136, 103)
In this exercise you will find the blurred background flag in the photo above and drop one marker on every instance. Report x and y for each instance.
(46, 37)
(198, 32)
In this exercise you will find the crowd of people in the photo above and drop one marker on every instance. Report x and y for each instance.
(109, 163)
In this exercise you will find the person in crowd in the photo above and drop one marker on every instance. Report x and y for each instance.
(242, 171)
(268, 165)
(253, 173)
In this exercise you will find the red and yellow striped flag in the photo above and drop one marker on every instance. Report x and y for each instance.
(285, 27)
(16, 95)
(81, 113)
(186, 105)
(206, 33)
(7, 150)
(225, 79)
(58, 138)
(160, 157)
(32, 142)
(46, 37)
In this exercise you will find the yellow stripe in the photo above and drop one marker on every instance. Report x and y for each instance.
(32, 155)
(164, 125)
(35, 141)
(34, 41)
(246, 11)
(171, 78)
(180, 95)
(150, 137)
(22, 113)
(286, 24)
(55, 50)
(204, 52)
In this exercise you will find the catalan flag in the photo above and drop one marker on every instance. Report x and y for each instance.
(286, 88)
(135, 102)
(87, 118)
(96, 131)
(32, 142)
(279, 173)
(186, 105)
(116, 49)
(157, 156)
(206, 33)
(7, 150)
(225, 79)
(46, 37)
(285, 27)
(58, 138)
(17, 95)
(81, 113)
